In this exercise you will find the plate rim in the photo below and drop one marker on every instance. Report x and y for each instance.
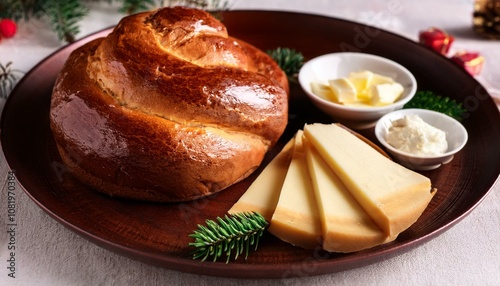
(206, 267)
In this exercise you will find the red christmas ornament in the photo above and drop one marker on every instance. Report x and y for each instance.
(472, 62)
(436, 39)
(8, 28)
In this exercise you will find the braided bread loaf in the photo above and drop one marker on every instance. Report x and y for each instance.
(167, 108)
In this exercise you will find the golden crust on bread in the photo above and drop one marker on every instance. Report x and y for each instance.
(168, 107)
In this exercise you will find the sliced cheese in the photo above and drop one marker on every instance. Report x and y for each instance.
(296, 219)
(263, 194)
(393, 196)
(346, 227)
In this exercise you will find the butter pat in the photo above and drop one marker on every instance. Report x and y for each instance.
(343, 90)
(362, 82)
(296, 218)
(323, 90)
(380, 79)
(360, 89)
(413, 135)
(386, 93)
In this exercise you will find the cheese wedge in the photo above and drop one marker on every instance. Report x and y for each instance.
(296, 219)
(263, 194)
(346, 227)
(393, 196)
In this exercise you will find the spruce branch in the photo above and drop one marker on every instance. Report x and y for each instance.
(133, 6)
(8, 79)
(20, 9)
(429, 100)
(64, 16)
(289, 60)
(234, 233)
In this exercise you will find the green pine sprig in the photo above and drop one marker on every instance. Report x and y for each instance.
(17, 10)
(133, 6)
(430, 100)
(230, 235)
(289, 60)
(64, 15)
(8, 79)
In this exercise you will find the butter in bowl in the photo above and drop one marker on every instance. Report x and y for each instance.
(356, 89)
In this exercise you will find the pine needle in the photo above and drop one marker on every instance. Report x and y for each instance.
(289, 60)
(64, 16)
(133, 6)
(8, 79)
(431, 101)
(229, 236)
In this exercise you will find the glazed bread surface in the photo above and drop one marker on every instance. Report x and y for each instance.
(167, 107)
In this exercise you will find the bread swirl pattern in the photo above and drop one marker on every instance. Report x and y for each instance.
(167, 107)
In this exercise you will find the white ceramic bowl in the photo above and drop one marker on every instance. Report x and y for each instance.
(456, 136)
(336, 65)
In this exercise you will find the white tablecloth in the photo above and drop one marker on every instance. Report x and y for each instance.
(467, 254)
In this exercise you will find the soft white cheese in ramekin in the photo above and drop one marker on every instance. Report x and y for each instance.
(412, 135)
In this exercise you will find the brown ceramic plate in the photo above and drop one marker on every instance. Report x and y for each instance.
(158, 233)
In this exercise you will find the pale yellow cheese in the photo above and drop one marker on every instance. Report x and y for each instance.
(346, 227)
(393, 196)
(296, 219)
(263, 194)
